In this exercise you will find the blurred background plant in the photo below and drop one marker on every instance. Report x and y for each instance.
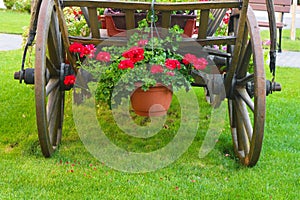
(76, 22)
(18, 5)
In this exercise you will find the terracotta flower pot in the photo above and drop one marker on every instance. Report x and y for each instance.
(153, 102)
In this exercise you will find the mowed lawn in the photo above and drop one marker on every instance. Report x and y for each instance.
(73, 173)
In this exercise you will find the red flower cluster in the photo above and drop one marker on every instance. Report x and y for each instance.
(77, 13)
(103, 56)
(172, 64)
(82, 50)
(135, 54)
(69, 80)
(198, 63)
(227, 16)
(125, 64)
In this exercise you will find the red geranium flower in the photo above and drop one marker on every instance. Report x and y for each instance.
(135, 54)
(189, 59)
(226, 19)
(103, 56)
(69, 80)
(200, 64)
(172, 64)
(89, 51)
(227, 16)
(76, 47)
(125, 64)
(156, 69)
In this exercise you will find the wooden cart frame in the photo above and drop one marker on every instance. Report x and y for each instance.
(246, 92)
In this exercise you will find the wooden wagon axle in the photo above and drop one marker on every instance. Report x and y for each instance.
(271, 87)
(27, 76)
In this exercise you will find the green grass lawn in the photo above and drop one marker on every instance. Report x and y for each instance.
(73, 173)
(13, 22)
(287, 44)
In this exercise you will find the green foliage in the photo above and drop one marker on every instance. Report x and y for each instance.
(76, 22)
(156, 52)
(18, 5)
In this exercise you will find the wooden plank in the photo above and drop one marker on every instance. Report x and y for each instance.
(166, 19)
(203, 24)
(167, 6)
(94, 23)
(277, 8)
(267, 24)
(293, 24)
(279, 5)
(120, 41)
(276, 2)
(130, 20)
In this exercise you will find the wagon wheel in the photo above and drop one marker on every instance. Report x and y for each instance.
(247, 101)
(49, 99)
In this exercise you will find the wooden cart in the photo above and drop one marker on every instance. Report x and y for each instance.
(246, 92)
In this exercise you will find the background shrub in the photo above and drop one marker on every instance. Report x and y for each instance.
(19, 5)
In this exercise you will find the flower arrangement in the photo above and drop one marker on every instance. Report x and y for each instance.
(75, 21)
(145, 61)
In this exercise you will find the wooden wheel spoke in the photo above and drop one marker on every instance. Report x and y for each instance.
(54, 41)
(243, 81)
(54, 111)
(52, 105)
(246, 98)
(235, 137)
(244, 116)
(242, 136)
(232, 116)
(52, 84)
(53, 126)
(54, 71)
(243, 66)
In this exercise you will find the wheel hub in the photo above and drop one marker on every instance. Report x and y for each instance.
(65, 70)
(27, 75)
